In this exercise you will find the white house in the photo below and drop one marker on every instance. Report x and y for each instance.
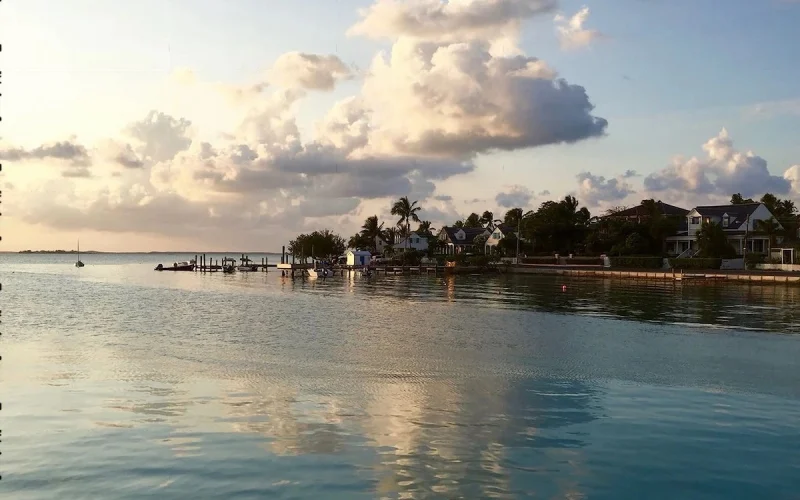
(358, 257)
(499, 232)
(413, 242)
(740, 223)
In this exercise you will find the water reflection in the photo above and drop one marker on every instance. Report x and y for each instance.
(395, 387)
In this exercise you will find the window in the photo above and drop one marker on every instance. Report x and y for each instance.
(695, 220)
(725, 221)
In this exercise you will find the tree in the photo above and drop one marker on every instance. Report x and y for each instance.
(737, 199)
(770, 228)
(407, 211)
(480, 242)
(425, 228)
(713, 242)
(458, 223)
(487, 218)
(359, 242)
(473, 220)
(390, 235)
(370, 231)
(323, 244)
(512, 217)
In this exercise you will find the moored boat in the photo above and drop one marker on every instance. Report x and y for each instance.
(186, 265)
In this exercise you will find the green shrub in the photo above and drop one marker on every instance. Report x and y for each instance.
(648, 262)
(695, 263)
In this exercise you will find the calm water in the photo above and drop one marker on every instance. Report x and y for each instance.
(120, 382)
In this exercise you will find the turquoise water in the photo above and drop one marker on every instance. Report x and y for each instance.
(121, 382)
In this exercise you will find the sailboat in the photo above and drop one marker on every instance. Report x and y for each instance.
(79, 263)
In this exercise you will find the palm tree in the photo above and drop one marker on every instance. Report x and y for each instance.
(487, 218)
(770, 228)
(390, 235)
(473, 220)
(407, 211)
(425, 227)
(372, 230)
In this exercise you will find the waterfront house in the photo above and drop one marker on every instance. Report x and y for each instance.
(413, 241)
(358, 257)
(456, 240)
(642, 212)
(741, 223)
(381, 245)
(499, 232)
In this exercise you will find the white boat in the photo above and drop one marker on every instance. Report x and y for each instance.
(318, 271)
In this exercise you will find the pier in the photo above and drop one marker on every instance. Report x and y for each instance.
(206, 265)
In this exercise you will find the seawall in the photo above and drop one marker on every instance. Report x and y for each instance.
(670, 275)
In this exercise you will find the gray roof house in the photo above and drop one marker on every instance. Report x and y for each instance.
(741, 224)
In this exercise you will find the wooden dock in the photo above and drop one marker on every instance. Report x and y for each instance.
(206, 265)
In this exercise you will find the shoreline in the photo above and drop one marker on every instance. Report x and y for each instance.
(661, 274)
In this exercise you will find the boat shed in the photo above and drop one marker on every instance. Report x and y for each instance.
(358, 257)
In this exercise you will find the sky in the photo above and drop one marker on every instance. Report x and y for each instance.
(222, 126)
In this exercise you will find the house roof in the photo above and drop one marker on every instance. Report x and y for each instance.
(505, 228)
(737, 213)
(641, 210)
(469, 234)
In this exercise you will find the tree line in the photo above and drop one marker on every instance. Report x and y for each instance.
(563, 227)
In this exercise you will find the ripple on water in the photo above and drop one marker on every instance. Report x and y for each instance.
(151, 384)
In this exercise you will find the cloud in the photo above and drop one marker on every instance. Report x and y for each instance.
(460, 100)
(516, 196)
(426, 109)
(437, 20)
(724, 171)
(792, 175)
(160, 135)
(544, 193)
(309, 71)
(74, 154)
(596, 189)
(571, 33)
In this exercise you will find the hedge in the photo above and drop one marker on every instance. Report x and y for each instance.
(695, 263)
(637, 262)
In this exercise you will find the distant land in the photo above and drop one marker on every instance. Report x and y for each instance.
(192, 252)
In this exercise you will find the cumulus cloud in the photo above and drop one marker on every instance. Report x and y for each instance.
(515, 196)
(438, 20)
(571, 33)
(725, 170)
(440, 97)
(160, 135)
(596, 189)
(459, 100)
(309, 71)
(792, 175)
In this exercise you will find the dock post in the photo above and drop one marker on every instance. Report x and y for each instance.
(266, 264)
(196, 267)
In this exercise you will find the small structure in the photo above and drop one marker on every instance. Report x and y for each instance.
(358, 257)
